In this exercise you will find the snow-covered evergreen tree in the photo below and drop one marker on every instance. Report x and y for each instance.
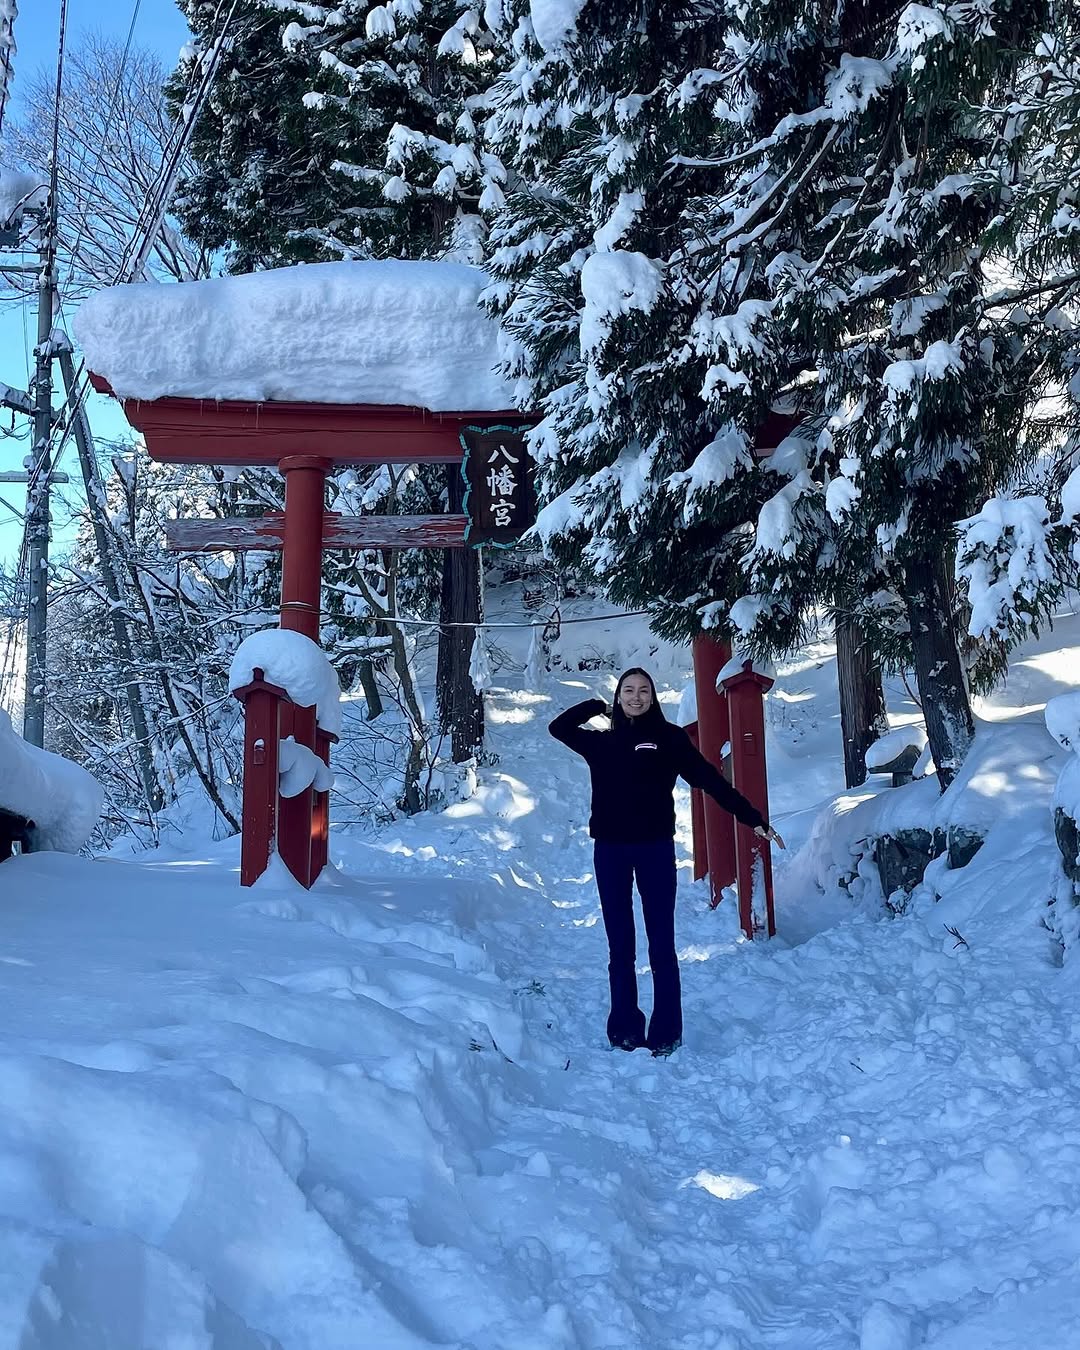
(344, 131)
(743, 208)
(261, 180)
(1020, 552)
(400, 91)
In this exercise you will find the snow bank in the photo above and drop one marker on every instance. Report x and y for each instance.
(393, 332)
(1006, 780)
(382, 1112)
(61, 798)
(297, 665)
(1006, 783)
(210, 1094)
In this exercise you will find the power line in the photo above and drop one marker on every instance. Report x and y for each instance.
(156, 205)
(152, 213)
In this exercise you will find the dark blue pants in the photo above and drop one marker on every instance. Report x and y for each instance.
(652, 865)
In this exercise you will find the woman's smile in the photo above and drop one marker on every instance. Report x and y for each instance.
(635, 696)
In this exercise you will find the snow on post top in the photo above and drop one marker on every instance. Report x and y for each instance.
(737, 664)
(296, 664)
(61, 798)
(888, 748)
(393, 332)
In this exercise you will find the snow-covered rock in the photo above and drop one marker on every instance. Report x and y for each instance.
(1063, 720)
(892, 745)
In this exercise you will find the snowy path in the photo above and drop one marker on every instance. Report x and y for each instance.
(850, 1150)
(347, 1119)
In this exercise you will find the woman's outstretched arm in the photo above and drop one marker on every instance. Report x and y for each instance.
(699, 773)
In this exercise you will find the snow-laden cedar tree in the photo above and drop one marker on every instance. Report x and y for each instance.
(727, 209)
(344, 131)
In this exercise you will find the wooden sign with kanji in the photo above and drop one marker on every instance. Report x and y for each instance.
(500, 504)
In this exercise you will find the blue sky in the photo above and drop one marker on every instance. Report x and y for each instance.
(161, 27)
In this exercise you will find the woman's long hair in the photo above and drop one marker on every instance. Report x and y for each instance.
(655, 714)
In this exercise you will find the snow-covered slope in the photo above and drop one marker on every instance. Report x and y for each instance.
(382, 1114)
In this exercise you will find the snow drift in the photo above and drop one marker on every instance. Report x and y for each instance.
(61, 798)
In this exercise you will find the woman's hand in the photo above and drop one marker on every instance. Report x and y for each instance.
(769, 834)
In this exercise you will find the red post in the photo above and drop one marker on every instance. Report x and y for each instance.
(301, 581)
(301, 562)
(710, 657)
(745, 693)
(262, 706)
(320, 811)
(697, 817)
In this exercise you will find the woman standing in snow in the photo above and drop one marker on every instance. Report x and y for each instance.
(634, 766)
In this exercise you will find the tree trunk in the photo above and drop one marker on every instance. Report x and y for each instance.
(943, 691)
(118, 617)
(460, 707)
(412, 798)
(862, 700)
(372, 697)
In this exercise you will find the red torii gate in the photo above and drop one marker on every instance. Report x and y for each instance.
(731, 714)
(305, 441)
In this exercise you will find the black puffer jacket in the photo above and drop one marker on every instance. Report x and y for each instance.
(634, 768)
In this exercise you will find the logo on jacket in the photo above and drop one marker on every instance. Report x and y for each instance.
(646, 745)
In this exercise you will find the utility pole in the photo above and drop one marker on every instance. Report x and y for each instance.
(37, 492)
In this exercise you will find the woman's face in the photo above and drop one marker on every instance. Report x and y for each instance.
(635, 695)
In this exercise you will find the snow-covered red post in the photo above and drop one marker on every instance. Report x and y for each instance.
(745, 692)
(280, 769)
(301, 584)
(262, 704)
(710, 657)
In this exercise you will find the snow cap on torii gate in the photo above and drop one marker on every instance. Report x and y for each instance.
(376, 362)
(303, 367)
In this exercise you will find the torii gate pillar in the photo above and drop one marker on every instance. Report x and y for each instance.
(745, 696)
(301, 562)
(302, 820)
(714, 733)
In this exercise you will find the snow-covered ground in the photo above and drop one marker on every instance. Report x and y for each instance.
(383, 1114)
